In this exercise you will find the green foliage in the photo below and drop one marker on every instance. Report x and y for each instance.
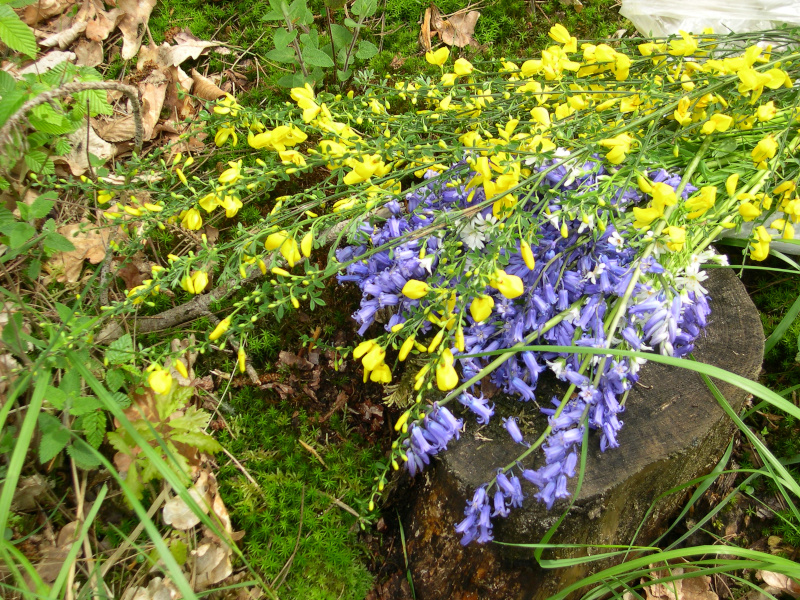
(165, 422)
(308, 52)
(14, 33)
(291, 483)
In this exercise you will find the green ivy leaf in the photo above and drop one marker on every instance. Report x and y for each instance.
(15, 34)
(55, 437)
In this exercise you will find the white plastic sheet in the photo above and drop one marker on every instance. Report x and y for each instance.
(666, 17)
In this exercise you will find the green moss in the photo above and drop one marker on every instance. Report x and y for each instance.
(293, 485)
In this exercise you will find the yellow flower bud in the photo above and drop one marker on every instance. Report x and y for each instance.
(199, 281)
(527, 255)
(307, 244)
(408, 344)
(402, 420)
(437, 339)
(415, 289)
(241, 357)
(481, 308)
(510, 286)
(221, 328)
(180, 368)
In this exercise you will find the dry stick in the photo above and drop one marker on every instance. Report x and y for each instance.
(67, 89)
(197, 306)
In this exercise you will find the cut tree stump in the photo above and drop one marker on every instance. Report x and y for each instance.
(674, 431)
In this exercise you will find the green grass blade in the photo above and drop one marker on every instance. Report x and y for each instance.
(86, 526)
(778, 333)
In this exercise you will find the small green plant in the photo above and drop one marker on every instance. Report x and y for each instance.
(13, 32)
(299, 42)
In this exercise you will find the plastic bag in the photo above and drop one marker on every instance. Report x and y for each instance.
(661, 18)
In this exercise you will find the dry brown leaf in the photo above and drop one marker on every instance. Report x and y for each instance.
(54, 554)
(459, 29)
(136, 15)
(30, 492)
(688, 588)
(121, 129)
(89, 53)
(64, 38)
(44, 9)
(212, 563)
(785, 584)
(157, 589)
(153, 91)
(205, 88)
(577, 4)
(174, 56)
(77, 159)
(103, 22)
(178, 514)
(291, 359)
(90, 244)
(425, 31)
(47, 62)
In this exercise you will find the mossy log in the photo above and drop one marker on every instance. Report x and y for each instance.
(674, 432)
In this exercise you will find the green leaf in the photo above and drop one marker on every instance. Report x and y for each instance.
(34, 269)
(317, 58)
(56, 397)
(94, 427)
(11, 103)
(18, 234)
(83, 456)
(82, 405)
(290, 81)
(282, 55)
(342, 36)
(64, 312)
(55, 242)
(299, 13)
(178, 396)
(62, 146)
(179, 551)
(352, 24)
(197, 439)
(273, 15)
(38, 162)
(7, 83)
(54, 437)
(193, 419)
(70, 382)
(15, 34)
(366, 50)
(364, 8)
(120, 351)
(115, 379)
(41, 206)
(283, 38)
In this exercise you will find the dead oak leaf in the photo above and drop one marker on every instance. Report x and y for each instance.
(459, 29)
(781, 582)
(136, 15)
(89, 53)
(90, 244)
(103, 22)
